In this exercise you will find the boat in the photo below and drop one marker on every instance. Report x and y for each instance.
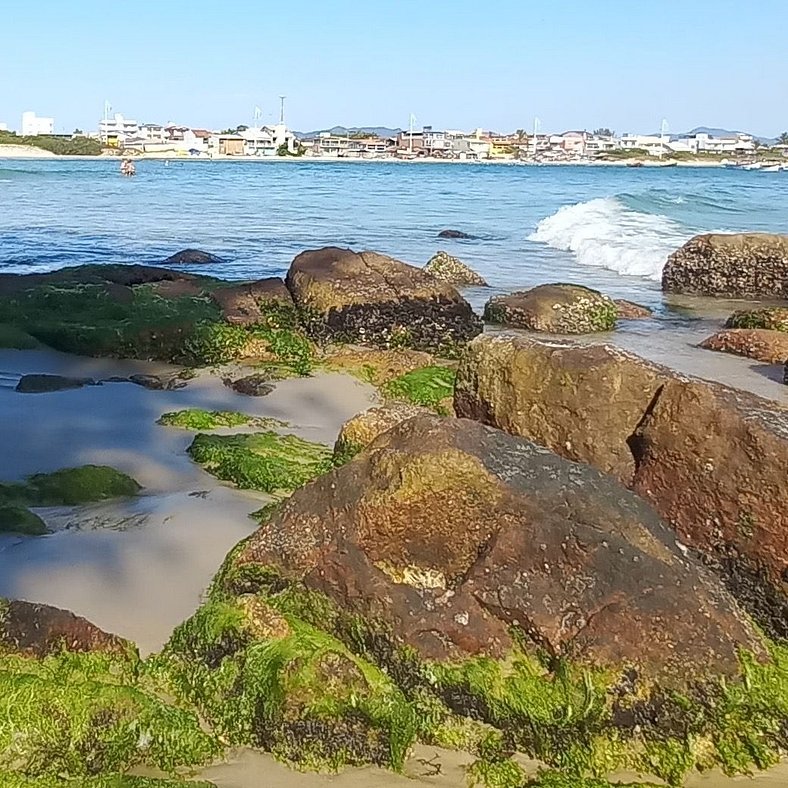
(634, 164)
(771, 168)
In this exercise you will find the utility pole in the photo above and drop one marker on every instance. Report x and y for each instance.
(282, 109)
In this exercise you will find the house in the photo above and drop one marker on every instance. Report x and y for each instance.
(327, 144)
(33, 125)
(653, 144)
(231, 145)
(434, 142)
(738, 144)
(152, 132)
(116, 130)
(472, 147)
(370, 147)
(574, 142)
(597, 144)
(410, 141)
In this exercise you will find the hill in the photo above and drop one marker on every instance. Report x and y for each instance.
(342, 131)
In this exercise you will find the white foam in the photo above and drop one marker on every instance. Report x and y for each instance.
(605, 233)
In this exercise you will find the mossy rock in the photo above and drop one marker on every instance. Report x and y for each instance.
(357, 433)
(14, 338)
(450, 269)
(772, 317)
(198, 419)
(262, 461)
(429, 387)
(80, 715)
(554, 308)
(20, 520)
(376, 366)
(71, 487)
(270, 680)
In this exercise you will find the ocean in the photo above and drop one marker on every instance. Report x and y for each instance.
(607, 227)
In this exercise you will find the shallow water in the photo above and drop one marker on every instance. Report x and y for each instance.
(609, 227)
(137, 567)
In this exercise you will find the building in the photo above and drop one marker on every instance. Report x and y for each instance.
(327, 144)
(370, 147)
(410, 141)
(435, 143)
(116, 130)
(654, 145)
(737, 144)
(32, 125)
(152, 132)
(231, 145)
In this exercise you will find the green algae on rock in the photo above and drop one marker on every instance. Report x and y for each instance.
(20, 520)
(14, 338)
(554, 308)
(770, 317)
(357, 433)
(273, 681)
(198, 419)
(264, 461)
(15, 780)
(430, 387)
(70, 487)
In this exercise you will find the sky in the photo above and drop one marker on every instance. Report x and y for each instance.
(574, 64)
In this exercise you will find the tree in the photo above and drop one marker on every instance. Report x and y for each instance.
(520, 134)
(783, 138)
(604, 132)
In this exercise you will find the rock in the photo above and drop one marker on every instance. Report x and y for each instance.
(371, 299)
(556, 308)
(741, 265)
(774, 318)
(452, 534)
(458, 234)
(583, 403)
(20, 520)
(374, 365)
(449, 269)
(357, 433)
(762, 344)
(34, 630)
(192, 257)
(266, 301)
(40, 384)
(156, 382)
(629, 310)
(712, 461)
(257, 385)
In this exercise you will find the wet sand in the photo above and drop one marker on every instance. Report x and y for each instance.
(138, 567)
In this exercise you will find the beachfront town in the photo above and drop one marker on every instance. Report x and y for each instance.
(119, 134)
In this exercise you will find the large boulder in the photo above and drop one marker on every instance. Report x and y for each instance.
(741, 265)
(762, 344)
(37, 630)
(584, 403)
(465, 541)
(456, 235)
(357, 433)
(555, 308)
(712, 461)
(450, 269)
(44, 383)
(372, 299)
(264, 302)
(629, 310)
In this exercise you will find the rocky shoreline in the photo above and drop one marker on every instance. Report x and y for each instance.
(531, 549)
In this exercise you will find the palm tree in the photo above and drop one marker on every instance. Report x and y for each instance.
(783, 138)
(520, 134)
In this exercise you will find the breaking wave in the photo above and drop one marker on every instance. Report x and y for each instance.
(606, 233)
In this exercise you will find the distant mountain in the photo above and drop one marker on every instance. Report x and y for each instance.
(342, 131)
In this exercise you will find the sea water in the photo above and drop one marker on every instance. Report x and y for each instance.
(607, 227)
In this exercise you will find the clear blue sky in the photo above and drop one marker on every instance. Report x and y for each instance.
(460, 64)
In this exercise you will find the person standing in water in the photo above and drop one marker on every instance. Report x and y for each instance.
(127, 168)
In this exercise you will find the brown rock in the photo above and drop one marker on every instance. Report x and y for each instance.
(762, 344)
(193, 257)
(374, 365)
(372, 299)
(741, 265)
(581, 402)
(629, 310)
(713, 462)
(251, 303)
(362, 429)
(556, 309)
(774, 318)
(450, 269)
(451, 533)
(39, 630)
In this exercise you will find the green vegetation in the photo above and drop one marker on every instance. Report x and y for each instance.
(9, 780)
(274, 681)
(70, 487)
(262, 461)
(772, 317)
(20, 520)
(198, 420)
(14, 338)
(290, 347)
(428, 387)
(62, 146)
(81, 715)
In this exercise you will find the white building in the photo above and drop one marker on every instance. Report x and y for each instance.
(654, 145)
(32, 125)
(116, 130)
(706, 143)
